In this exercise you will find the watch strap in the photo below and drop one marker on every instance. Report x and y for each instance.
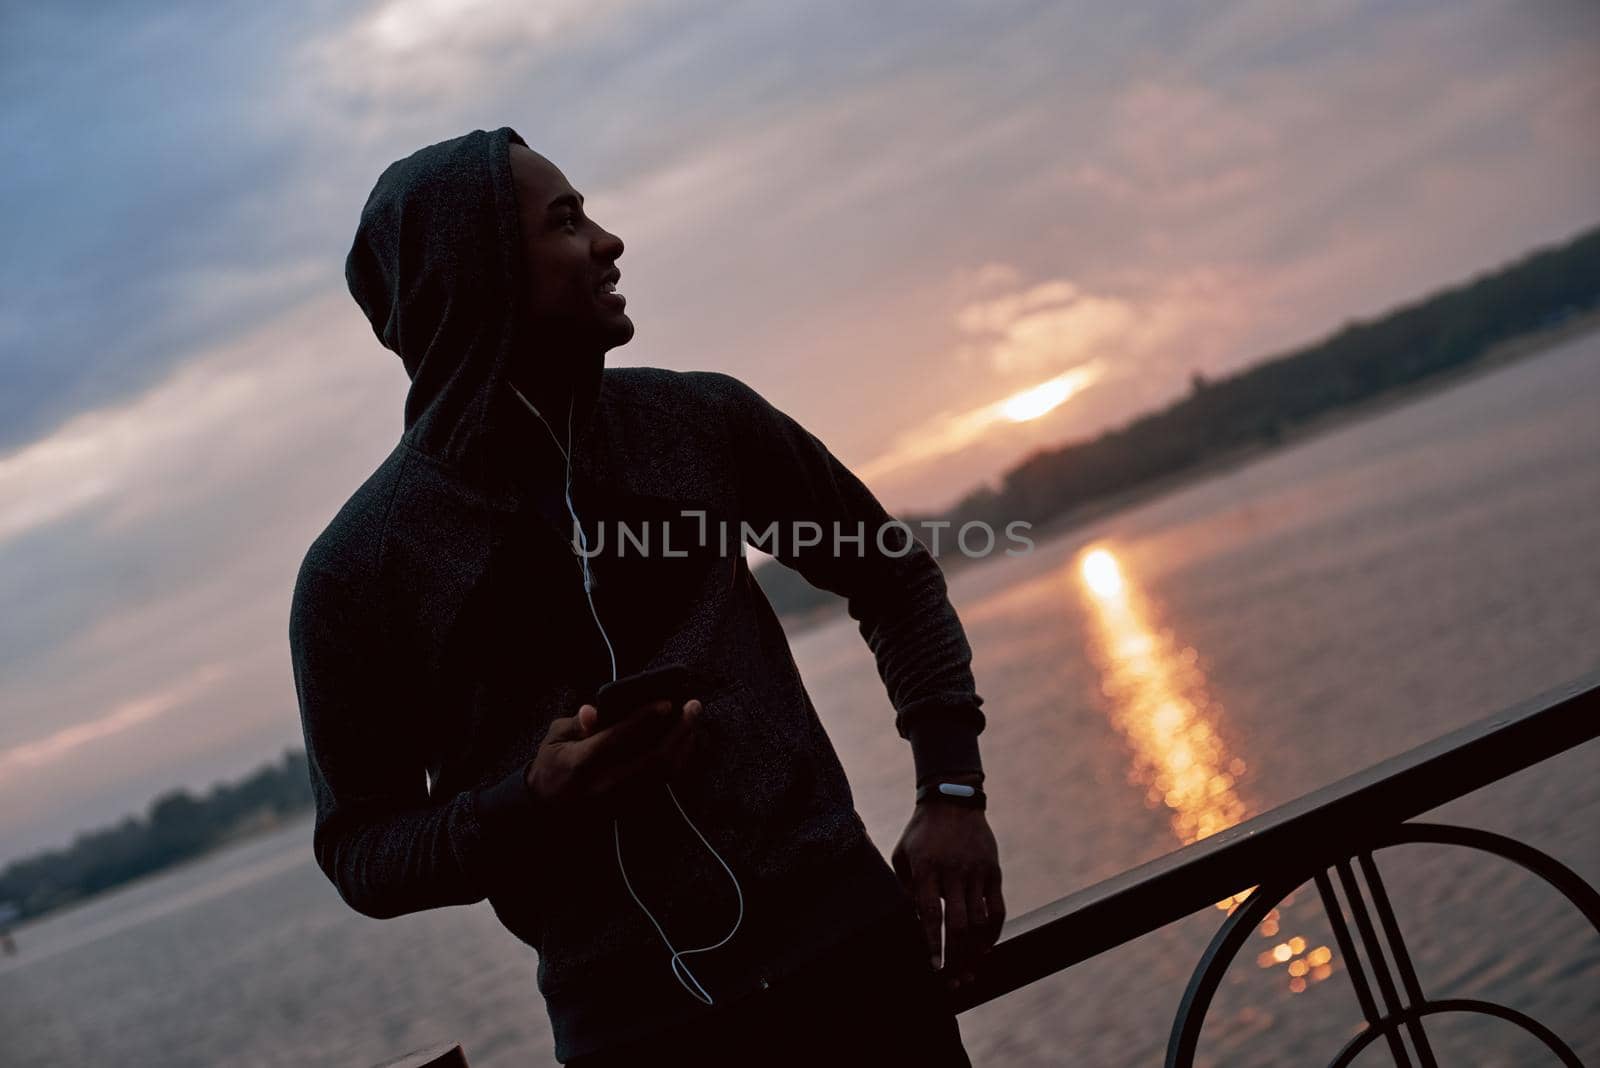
(957, 793)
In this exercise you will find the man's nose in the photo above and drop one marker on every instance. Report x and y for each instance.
(608, 245)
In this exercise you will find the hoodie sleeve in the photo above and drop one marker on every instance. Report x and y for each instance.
(387, 846)
(894, 588)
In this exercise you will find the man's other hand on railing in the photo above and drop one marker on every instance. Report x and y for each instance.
(948, 854)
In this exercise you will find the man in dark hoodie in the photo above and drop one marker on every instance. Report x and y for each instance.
(452, 624)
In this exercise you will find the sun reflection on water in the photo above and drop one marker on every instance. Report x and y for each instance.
(1159, 703)
(1157, 699)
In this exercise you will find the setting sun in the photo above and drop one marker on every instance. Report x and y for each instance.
(1046, 397)
(952, 432)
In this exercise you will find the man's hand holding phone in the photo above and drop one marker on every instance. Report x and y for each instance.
(618, 745)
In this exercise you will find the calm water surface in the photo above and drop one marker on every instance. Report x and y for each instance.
(1171, 670)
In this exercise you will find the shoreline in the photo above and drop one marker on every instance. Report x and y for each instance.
(1510, 351)
(1504, 354)
(248, 832)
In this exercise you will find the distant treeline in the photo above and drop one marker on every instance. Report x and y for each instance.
(1261, 404)
(179, 826)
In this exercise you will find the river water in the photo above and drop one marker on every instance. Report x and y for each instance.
(1166, 672)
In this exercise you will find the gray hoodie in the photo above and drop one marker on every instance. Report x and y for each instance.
(439, 625)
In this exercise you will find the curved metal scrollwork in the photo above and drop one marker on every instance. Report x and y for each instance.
(1389, 1024)
(1404, 1005)
(1225, 944)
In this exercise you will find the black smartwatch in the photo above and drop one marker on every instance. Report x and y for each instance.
(956, 793)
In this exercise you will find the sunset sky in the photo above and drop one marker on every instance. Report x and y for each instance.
(891, 219)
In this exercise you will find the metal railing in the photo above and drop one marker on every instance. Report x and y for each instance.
(1334, 830)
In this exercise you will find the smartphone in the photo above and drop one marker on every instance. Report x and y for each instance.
(617, 700)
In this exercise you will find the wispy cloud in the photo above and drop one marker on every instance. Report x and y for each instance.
(126, 714)
(1051, 323)
(403, 54)
(210, 423)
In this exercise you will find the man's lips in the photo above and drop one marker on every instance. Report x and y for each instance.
(607, 289)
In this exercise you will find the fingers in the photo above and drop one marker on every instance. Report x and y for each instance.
(977, 907)
(672, 751)
(994, 901)
(957, 926)
(613, 785)
(930, 913)
(631, 735)
(588, 720)
(643, 755)
(984, 929)
(947, 862)
(683, 741)
(568, 728)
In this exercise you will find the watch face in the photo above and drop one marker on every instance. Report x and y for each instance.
(954, 793)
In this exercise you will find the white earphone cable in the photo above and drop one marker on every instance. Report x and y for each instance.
(680, 970)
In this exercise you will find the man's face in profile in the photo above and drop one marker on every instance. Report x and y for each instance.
(571, 259)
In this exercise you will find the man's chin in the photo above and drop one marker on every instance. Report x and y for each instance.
(618, 332)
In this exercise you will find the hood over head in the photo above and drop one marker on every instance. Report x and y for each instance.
(438, 267)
